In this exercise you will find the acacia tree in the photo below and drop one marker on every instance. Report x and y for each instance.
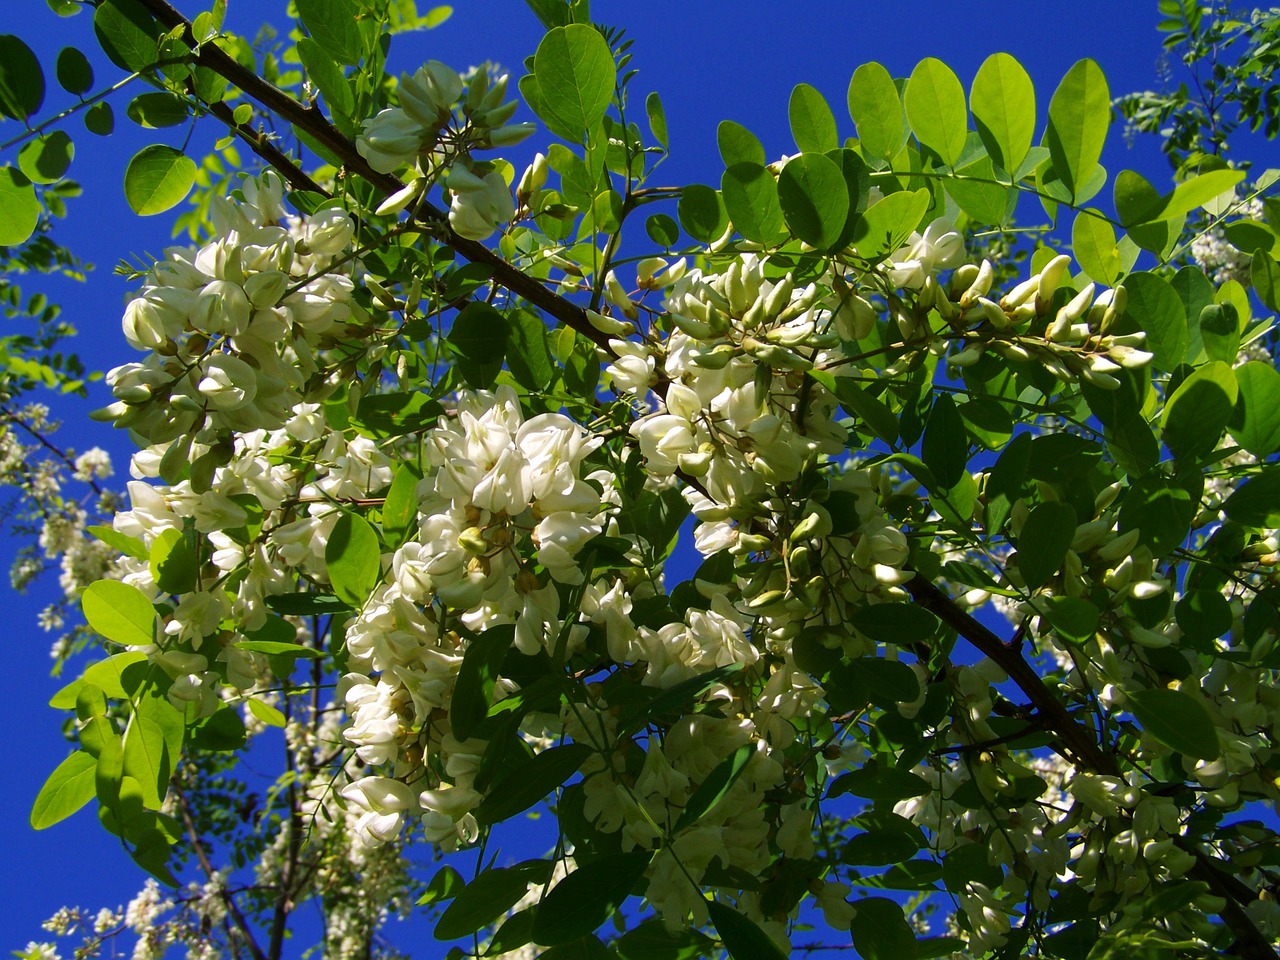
(418, 437)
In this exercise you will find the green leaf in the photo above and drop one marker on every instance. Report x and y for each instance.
(1094, 242)
(1155, 307)
(128, 33)
(529, 350)
(1256, 425)
(898, 623)
(876, 107)
(813, 125)
(663, 230)
(713, 789)
(740, 935)
(1198, 191)
(1137, 201)
(936, 109)
(173, 562)
(75, 75)
(21, 79)
(382, 416)
(945, 446)
(69, 787)
(328, 77)
(222, 731)
(1079, 115)
(1203, 615)
(889, 222)
(576, 75)
(153, 745)
(1073, 617)
(333, 25)
(702, 213)
(279, 648)
(881, 932)
(652, 941)
(267, 713)
(158, 178)
(676, 698)
(307, 605)
(473, 689)
(443, 886)
(531, 782)
(353, 558)
(738, 144)
(751, 200)
(814, 200)
(1220, 332)
(100, 119)
(1199, 410)
(871, 410)
(877, 782)
(1265, 274)
(156, 110)
(1043, 543)
(400, 509)
(479, 336)
(46, 158)
(1160, 509)
(657, 118)
(1256, 503)
(589, 896)
(120, 612)
(1178, 720)
(984, 202)
(483, 900)
(1003, 102)
(19, 208)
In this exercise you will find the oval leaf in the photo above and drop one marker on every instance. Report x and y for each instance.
(936, 109)
(741, 936)
(21, 79)
(120, 612)
(1043, 543)
(899, 623)
(157, 179)
(1178, 720)
(876, 107)
(353, 559)
(814, 199)
(69, 787)
(576, 75)
(19, 208)
(1199, 410)
(1079, 115)
(1003, 102)
(813, 125)
(531, 782)
(75, 75)
(588, 897)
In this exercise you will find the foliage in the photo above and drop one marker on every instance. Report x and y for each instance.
(416, 507)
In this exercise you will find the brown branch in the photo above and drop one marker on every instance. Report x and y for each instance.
(309, 118)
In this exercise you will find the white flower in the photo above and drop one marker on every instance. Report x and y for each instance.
(476, 212)
(382, 803)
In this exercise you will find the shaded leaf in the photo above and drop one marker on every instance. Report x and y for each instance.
(1177, 720)
(589, 896)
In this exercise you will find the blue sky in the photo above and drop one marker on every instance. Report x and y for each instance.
(710, 60)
